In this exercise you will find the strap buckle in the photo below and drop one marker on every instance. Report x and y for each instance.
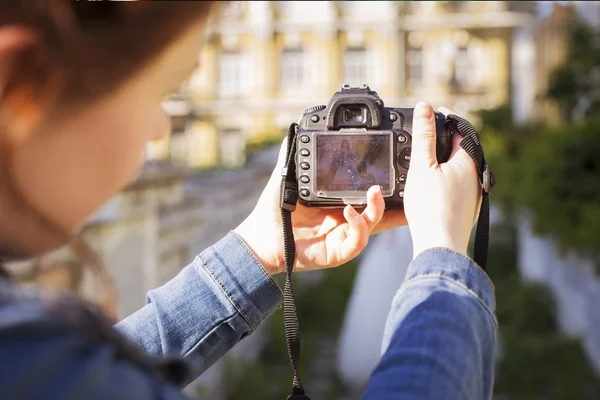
(288, 194)
(487, 179)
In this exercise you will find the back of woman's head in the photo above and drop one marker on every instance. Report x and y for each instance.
(86, 48)
(80, 91)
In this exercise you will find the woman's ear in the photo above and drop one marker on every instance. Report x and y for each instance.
(17, 111)
(14, 39)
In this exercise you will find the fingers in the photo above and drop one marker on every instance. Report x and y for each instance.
(423, 137)
(391, 219)
(357, 234)
(275, 178)
(375, 207)
(360, 226)
(458, 154)
(282, 154)
(456, 139)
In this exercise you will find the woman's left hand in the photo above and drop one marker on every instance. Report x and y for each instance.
(324, 238)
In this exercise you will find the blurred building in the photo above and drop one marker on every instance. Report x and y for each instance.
(551, 49)
(265, 62)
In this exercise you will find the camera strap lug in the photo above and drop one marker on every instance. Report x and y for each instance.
(289, 195)
(487, 179)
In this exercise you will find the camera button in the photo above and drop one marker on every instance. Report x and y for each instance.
(304, 165)
(401, 193)
(304, 152)
(402, 178)
(304, 193)
(402, 138)
(404, 157)
(304, 139)
(304, 179)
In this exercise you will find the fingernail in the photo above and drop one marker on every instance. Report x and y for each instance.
(352, 212)
(423, 110)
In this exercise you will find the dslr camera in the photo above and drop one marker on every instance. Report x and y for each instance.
(353, 143)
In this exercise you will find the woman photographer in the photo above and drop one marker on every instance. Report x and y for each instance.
(80, 95)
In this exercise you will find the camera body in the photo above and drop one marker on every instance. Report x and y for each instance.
(353, 143)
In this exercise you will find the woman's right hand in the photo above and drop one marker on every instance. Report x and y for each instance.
(441, 201)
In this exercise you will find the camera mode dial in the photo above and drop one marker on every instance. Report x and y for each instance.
(314, 108)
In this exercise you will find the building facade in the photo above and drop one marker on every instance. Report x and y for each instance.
(265, 62)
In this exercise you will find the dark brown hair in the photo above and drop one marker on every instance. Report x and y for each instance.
(82, 51)
(88, 48)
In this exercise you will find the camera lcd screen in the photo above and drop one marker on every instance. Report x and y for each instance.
(353, 162)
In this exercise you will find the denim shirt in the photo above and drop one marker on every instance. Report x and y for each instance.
(438, 344)
(213, 303)
(439, 341)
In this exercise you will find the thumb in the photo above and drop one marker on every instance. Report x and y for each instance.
(281, 159)
(423, 137)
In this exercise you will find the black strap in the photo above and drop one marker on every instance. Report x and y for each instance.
(289, 198)
(471, 144)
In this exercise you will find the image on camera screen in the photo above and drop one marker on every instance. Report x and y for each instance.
(353, 162)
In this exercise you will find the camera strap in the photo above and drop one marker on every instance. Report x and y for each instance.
(289, 198)
(471, 144)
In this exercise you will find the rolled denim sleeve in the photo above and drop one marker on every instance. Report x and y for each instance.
(440, 336)
(214, 302)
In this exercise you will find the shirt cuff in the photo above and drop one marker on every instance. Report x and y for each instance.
(243, 279)
(443, 263)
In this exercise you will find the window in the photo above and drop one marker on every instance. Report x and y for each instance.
(454, 6)
(356, 71)
(415, 65)
(178, 124)
(477, 64)
(235, 9)
(294, 69)
(444, 61)
(234, 74)
(463, 66)
(178, 106)
(232, 148)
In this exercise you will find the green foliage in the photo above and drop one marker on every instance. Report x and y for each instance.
(320, 312)
(577, 79)
(537, 361)
(554, 173)
(263, 141)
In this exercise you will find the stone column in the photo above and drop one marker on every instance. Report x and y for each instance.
(388, 67)
(264, 64)
(523, 74)
(203, 84)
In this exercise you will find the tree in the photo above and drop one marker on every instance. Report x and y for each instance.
(575, 85)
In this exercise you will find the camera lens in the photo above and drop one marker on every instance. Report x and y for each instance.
(353, 115)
